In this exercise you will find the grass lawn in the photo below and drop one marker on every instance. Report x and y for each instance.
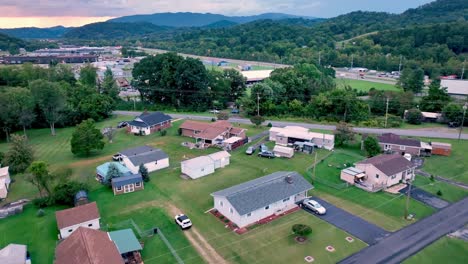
(454, 167)
(450, 192)
(148, 208)
(365, 86)
(445, 250)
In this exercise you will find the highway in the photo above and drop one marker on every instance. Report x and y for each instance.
(401, 132)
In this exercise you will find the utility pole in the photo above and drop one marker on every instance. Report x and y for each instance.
(258, 104)
(315, 165)
(463, 120)
(386, 113)
(463, 70)
(399, 66)
(352, 61)
(407, 200)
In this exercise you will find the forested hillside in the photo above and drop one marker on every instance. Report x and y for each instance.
(12, 45)
(111, 30)
(36, 33)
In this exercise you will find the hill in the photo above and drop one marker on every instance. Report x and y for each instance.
(221, 24)
(11, 44)
(36, 33)
(113, 30)
(187, 19)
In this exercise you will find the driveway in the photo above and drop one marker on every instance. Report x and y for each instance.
(426, 198)
(350, 223)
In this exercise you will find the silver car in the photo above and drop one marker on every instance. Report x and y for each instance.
(314, 206)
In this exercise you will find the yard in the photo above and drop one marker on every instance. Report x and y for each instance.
(445, 250)
(365, 86)
(271, 243)
(448, 192)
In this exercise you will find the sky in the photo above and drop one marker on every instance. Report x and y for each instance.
(47, 13)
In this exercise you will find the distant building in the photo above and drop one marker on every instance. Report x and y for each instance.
(47, 59)
(211, 133)
(456, 88)
(290, 135)
(148, 123)
(256, 76)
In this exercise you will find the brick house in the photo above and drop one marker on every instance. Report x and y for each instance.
(209, 133)
(148, 123)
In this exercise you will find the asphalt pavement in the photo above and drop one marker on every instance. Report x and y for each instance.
(401, 132)
(426, 198)
(408, 241)
(350, 223)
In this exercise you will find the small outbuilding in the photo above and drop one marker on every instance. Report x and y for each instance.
(126, 241)
(197, 167)
(101, 171)
(443, 149)
(81, 198)
(221, 159)
(127, 184)
(281, 151)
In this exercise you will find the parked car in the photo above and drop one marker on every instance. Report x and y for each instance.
(235, 111)
(183, 221)
(266, 154)
(263, 148)
(117, 157)
(214, 111)
(250, 151)
(314, 206)
(122, 124)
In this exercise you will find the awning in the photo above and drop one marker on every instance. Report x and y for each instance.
(360, 175)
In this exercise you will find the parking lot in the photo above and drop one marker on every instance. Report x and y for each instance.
(350, 223)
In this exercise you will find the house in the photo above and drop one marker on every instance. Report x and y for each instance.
(393, 143)
(88, 246)
(126, 242)
(211, 133)
(69, 220)
(148, 123)
(456, 88)
(204, 165)
(127, 184)
(153, 159)
(5, 181)
(252, 77)
(290, 135)
(379, 172)
(14, 254)
(281, 151)
(103, 169)
(251, 201)
(443, 149)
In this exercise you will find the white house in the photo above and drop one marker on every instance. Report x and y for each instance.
(153, 159)
(251, 201)
(205, 165)
(69, 220)
(291, 134)
(456, 88)
(4, 182)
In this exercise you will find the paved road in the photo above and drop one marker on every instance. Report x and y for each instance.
(426, 198)
(411, 239)
(401, 132)
(350, 223)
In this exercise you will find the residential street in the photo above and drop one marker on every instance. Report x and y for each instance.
(411, 239)
(350, 223)
(401, 132)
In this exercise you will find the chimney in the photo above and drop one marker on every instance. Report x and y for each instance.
(289, 179)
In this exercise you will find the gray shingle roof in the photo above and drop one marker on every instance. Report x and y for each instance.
(255, 194)
(144, 154)
(124, 180)
(153, 118)
(389, 164)
(390, 138)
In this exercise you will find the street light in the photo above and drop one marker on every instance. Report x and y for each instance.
(463, 120)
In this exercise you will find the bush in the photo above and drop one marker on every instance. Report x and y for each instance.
(42, 202)
(439, 193)
(257, 120)
(269, 125)
(432, 178)
(64, 193)
(213, 119)
(301, 230)
(226, 220)
(222, 116)
(414, 116)
(40, 213)
(163, 133)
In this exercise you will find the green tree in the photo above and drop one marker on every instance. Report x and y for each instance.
(144, 173)
(371, 146)
(343, 134)
(86, 138)
(222, 116)
(414, 116)
(113, 172)
(452, 112)
(51, 99)
(301, 230)
(18, 104)
(257, 120)
(436, 99)
(64, 192)
(236, 84)
(109, 86)
(39, 176)
(20, 154)
(88, 76)
(412, 79)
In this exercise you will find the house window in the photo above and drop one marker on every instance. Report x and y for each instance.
(231, 211)
(285, 200)
(138, 184)
(249, 214)
(70, 230)
(119, 188)
(90, 225)
(402, 148)
(387, 147)
(221, 203)
(267, 207)
(376, 176)
(393, 176)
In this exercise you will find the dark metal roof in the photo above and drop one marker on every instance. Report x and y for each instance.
(150, 119)
(390, 138)
(144, 154)
(255, 194)
(124, 180)
(389, 164)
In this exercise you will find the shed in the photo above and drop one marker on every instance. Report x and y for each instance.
(198, 167)
(221, 159)
(443, 149)
(352, 174)
(101, 170)
(281, 151)
(125, 240)
(81, 197)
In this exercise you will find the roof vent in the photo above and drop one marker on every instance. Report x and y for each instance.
(289, 179)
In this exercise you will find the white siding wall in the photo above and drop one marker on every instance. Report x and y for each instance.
(196, 173)
(4, 188)
(221, 163)
(65, 232)
(394, 179)
(245, 220)
(151, 166)
(146, 130)
(273, 136)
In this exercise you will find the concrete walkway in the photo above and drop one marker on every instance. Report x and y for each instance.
(408, 241)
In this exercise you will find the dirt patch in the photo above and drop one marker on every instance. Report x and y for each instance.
(88, 162)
